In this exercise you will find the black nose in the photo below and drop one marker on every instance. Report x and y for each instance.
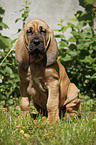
(36, 41)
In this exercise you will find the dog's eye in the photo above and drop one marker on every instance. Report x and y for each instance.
(42, 30)
(29, 31)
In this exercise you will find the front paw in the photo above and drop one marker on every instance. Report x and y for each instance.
(53, 118)
(25, 114)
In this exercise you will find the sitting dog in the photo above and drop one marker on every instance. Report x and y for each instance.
(42, 77)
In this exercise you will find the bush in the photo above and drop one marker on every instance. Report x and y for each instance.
(78, 53)
(9, 79)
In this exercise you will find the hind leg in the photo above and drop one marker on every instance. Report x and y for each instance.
(72, 103)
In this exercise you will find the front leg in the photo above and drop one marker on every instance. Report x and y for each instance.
(25, 99)
(53, 101)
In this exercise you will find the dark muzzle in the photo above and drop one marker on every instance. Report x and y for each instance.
(36, 46)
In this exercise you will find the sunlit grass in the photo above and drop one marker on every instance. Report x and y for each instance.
(26, 131)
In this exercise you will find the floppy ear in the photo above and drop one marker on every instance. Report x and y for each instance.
(21, 53)
(52, 49)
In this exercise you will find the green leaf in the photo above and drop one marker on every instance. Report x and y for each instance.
(87, 44)
(93, 76)
(1, 10)
(89, 1)
(63, 44)
(25, 14)
(88, 59)
(60, 36)
(71, 39)
(3, 25)
(81, 47)
(59, 24)
(10, 102)
(58, 30)
(5, 41)
(72, 25)
(64, 28)
(17, 20)
(80, 25)
(8, 70)
(61, 20)
(94, 47)
(67, 58)
(94, 66)
(84, 13)
(93, 39)
(29, 3)
(73, 19)
(75, 34)
(13, 41)
(73, 53)
(19, 30)
(27, 8)
(21, 10)
(26, 2)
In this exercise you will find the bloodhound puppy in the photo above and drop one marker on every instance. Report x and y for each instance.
(42, 76)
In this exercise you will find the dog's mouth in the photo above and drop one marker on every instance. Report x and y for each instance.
(36, 47)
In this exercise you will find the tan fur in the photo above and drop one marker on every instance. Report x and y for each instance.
(49, 86)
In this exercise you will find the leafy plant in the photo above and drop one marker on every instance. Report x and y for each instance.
(4, 41)
(25, 13)
(8, 73)
(9, 80)
(78, 53)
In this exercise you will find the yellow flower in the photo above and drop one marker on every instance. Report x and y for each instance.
(94, 119)
(20, 127)
(41, 126)
(22, 131)
(26, 135)
(44, 118)
(13, 62)
(84, 85)
(77, 15)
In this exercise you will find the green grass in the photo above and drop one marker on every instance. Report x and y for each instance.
(19, 131)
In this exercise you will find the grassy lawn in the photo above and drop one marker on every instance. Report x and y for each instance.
(16, 130)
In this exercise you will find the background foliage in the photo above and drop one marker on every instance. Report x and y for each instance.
(77, 54)
(9, 80)
(8, 68)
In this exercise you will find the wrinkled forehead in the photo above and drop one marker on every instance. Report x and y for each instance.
(36, 23)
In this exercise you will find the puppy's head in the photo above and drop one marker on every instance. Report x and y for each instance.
(39, 41)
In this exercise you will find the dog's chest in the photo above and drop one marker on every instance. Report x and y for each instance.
(38, 76)
(37, 80)
(40, 92)
(37, 86)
